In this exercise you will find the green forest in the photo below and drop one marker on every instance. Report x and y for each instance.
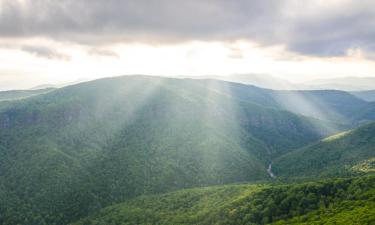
(330, 201)
(151, 150)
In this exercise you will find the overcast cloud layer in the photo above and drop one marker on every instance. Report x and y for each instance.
(319, 28)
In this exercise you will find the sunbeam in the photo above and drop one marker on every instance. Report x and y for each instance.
(299, 103)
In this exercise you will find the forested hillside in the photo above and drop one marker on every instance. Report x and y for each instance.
(20, 94)
(365, 95)
(366, 113)
(334, 201)
(337, 155)
(72, 151)
(326, 105)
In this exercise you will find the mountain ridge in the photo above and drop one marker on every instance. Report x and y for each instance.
(70, 152)
(341, 153)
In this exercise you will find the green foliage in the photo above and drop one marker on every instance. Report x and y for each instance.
(324, 202)
(73, 151)
(326, 105)
(333, 156)
(366, 166)
(70, 152)
(190, 206)
(345, 212)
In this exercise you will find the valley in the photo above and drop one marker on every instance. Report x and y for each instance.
(107, 148)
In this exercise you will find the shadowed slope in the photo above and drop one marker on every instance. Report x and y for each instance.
(366, 113)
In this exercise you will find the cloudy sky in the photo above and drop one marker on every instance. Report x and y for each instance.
(50, 41)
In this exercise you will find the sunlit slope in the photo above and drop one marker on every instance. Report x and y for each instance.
(340, 201)
(189, 206)
(68, 153)
(340, 154)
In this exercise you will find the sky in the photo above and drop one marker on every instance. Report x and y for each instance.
(47, 41)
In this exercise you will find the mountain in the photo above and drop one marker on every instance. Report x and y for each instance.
(340, 154)
(259, 80)
(344, 83)
(59, 85)
(336, 106)
(20, 94)
(44, 86)
(365, 95)
(72, 151)
(334, 201)
(326, 105)
(67, 153)
(366, 113)
(350, 84)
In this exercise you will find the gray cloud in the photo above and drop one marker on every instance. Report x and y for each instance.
(334, 32)
(322, 32)
(44, 52)
(103, 52)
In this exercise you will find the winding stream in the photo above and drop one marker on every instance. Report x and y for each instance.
(269, 171)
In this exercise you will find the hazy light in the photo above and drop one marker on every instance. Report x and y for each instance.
(296, 102)
(22, 69)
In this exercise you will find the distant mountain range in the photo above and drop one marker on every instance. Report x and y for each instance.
(350, 84)
(20, 94)
(259, 80)
(58, 85)
(276, 83)
(345, 83)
